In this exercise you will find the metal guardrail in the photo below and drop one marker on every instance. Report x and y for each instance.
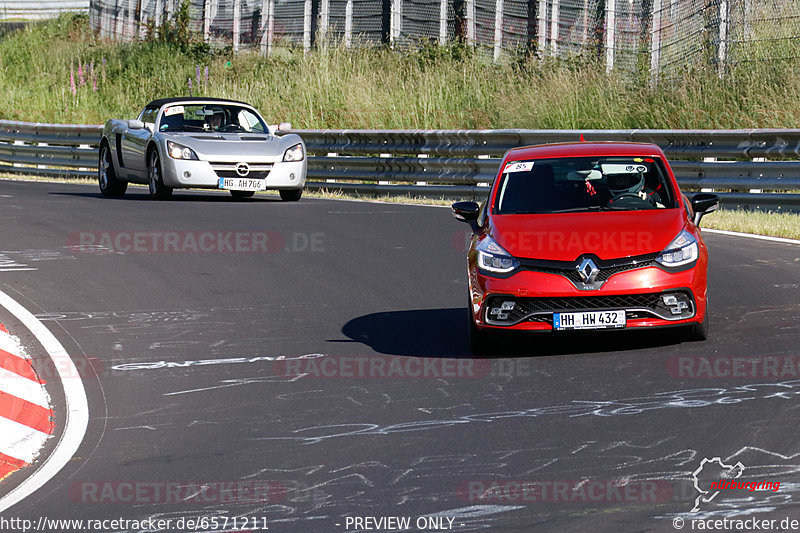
(452, 163)
(39, 9)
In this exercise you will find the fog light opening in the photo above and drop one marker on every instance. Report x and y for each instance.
(187, 174)
(500, 312)
(677, 303)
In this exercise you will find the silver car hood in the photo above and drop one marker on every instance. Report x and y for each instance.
(235, 147)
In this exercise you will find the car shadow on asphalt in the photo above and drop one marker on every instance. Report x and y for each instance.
(444, 333)
(177, 197)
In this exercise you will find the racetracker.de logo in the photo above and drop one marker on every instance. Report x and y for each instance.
(202, 492)
(551, 491)
(765, 367)
(178, 242)
(544, 243)
(382, 367)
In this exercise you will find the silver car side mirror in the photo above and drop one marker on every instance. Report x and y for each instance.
(135, 124)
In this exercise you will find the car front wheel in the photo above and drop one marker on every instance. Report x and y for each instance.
(291, 195)
(158, 191)
(481, 342)
(110, 186)
(699, 332)
(238, 195)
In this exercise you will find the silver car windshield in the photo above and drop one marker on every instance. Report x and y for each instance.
(583, 184)
(223, 118)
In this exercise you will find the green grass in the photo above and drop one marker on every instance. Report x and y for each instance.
(760, 223)
(448, 87)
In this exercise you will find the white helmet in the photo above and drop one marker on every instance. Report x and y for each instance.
(630, 181)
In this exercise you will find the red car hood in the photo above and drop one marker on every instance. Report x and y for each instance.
(608, 235)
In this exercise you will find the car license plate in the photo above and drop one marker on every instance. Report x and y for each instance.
(589, 320)
(242, 184)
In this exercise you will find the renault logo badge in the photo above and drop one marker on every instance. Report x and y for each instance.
(588, 271)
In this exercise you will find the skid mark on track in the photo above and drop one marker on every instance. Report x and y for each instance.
(678, 399)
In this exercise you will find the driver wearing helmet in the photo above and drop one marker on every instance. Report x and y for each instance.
(628, 189)
(215, 120)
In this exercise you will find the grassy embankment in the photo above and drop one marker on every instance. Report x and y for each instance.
(60, 72)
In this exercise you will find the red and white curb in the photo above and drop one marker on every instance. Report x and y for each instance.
(75, 409)
(26, 416)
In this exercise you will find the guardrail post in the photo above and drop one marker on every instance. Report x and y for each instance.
(722, 51)
(554, 33)
(442, 22)
(206, 20)
(498, 29)
(611, 34)
(541, 14)
(307, 18)
(396, 22)
(471, 21)
(237, 20)
(348, 24)
(322, 30)
(655, 44)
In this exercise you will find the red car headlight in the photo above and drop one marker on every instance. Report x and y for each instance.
(681, 251)
(493, 258)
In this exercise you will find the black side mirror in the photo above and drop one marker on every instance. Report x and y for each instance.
(467, 212)
(703, 203)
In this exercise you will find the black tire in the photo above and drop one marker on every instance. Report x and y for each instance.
(110, 186)
(291, 195)
(699, 332)
(158, 191)
(481, 342)
(239, 195)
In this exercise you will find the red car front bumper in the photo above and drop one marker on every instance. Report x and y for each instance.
(537, 295)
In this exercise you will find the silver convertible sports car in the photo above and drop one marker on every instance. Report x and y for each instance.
(205, 143)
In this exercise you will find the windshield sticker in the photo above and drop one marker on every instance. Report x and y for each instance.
(174, 110)
(519, 166)
(623, 169)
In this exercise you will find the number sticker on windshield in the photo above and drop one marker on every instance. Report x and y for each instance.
(520, 166)
(174, 110)
(617, 168)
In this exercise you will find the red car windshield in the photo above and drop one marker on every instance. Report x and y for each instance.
(576, 184)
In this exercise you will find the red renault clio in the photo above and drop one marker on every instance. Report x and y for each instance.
(581, 236)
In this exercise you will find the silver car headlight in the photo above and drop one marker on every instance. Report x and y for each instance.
(681, 251)
(179, 151)
(494, 258)
(295, 153)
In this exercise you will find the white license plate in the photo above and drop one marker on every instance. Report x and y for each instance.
(242, 184)
(589, 320)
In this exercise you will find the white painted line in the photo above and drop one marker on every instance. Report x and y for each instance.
(23, 388)
(20, 441)
(11, 344)
(75, 404)
(781, 240)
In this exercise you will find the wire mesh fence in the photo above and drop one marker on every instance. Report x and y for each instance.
(648, 35)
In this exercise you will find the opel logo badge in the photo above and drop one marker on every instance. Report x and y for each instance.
(587, 270)
(243, 169)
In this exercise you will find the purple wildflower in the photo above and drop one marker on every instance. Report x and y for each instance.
(72, 80)
(80, 73)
